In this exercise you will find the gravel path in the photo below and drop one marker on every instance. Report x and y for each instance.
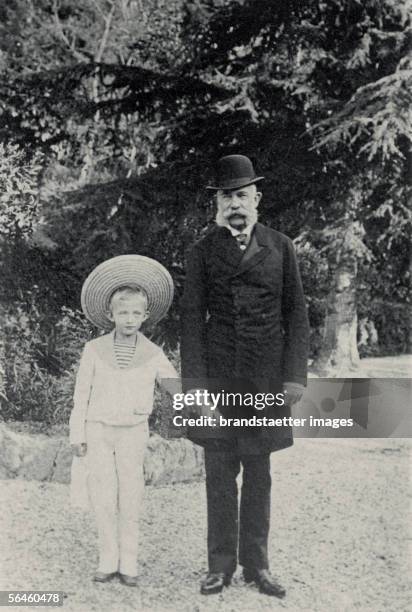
(398, 366)
(338, 540)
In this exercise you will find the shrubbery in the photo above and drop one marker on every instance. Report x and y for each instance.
(41, 356)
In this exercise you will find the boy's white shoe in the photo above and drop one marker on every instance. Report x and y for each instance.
(103, 576)
(128, 580)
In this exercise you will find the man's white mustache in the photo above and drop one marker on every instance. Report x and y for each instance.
(237, 213)
(223, 218)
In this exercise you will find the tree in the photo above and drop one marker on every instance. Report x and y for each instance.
(19, 180)
(338, 77)
(317, 92)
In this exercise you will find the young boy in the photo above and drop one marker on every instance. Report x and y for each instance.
(113, 398)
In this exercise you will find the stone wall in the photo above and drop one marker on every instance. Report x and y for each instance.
(40, 457)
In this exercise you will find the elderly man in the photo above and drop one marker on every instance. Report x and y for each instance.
(244, 325)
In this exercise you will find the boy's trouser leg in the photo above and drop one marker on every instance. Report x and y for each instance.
(103, 486)
(255, 511)
(222, 510)
(130, 447)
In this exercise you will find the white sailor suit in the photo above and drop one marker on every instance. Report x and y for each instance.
(110, 414)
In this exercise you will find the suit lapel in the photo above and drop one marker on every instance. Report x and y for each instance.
(225, 252)
(145, 351)
(230, 260)
(256, 252)
(105, 349)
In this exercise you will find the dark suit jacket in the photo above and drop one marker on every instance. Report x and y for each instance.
(244, 318)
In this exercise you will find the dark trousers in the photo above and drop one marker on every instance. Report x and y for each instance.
(229, 529)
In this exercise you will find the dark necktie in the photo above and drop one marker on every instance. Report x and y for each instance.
(242, 240)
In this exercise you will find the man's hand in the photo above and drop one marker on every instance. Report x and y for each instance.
(79, 450)
(293, 392)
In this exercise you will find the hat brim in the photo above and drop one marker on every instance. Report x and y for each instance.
(126, 270)
(235, 183)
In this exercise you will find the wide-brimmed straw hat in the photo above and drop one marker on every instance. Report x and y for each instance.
(131, 271)
(234, 172)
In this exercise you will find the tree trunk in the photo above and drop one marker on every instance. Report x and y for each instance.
(2, 361)
(339, 352)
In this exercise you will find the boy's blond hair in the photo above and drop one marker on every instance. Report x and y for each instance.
(127, 291)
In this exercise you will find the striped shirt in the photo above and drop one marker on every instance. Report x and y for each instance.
(124, 353)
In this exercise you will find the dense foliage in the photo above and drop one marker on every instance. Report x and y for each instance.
(112, 113)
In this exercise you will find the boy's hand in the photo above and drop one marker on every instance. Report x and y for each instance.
(196, 408)
(79, 450)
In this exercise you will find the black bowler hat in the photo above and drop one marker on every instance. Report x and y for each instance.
(233, 172)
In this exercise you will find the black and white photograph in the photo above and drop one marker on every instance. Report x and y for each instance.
(205, 306)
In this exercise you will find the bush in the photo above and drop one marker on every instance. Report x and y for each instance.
(392, 322)
(40, 361)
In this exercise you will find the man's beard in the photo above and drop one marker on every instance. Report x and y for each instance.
(249, 219)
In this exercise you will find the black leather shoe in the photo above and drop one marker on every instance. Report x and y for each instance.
(214, 583)
(266, 582)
